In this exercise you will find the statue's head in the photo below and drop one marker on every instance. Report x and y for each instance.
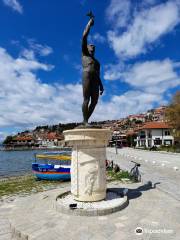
(91, 49)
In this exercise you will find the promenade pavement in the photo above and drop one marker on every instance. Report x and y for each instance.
(155, 212)
(160, 168)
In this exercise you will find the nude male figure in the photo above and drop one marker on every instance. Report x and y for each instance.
(92, 85)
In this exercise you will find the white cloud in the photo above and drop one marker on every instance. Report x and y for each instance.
(149, 81)
(14, 4)
(131, 102)
(114, 72)
(34, 49)
(97, 37)
(42, 50)
(151, 76)
(147, 27)
(118, 12)
(26, 101)
(28, 54)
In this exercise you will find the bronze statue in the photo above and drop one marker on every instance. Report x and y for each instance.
(91, 81)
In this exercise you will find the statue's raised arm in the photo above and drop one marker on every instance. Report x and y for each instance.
(85, 35)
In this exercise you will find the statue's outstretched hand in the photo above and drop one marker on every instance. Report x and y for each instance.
(101, 91)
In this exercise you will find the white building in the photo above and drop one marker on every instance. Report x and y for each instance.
(154, 134)
(137, 117)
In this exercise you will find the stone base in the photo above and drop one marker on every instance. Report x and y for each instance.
(88, 170)
(114, 201)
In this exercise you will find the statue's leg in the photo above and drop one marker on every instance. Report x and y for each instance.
(94, 100)
(85, 110)
(86, 96)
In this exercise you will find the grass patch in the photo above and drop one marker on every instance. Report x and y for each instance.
(25, 185)
(112, 176)
(174, 149)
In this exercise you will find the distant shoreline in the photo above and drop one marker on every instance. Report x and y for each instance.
(34, 149)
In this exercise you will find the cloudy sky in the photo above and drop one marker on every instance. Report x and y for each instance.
(137, 44)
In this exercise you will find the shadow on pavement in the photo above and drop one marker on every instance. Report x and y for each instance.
(137, 192)
(134, 192)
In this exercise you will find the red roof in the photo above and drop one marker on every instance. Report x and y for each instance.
(155, 125)
(53, 135)
(23, 138)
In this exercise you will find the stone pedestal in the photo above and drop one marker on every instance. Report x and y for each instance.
(88, 170)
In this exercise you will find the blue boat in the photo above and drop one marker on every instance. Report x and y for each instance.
(51, 171)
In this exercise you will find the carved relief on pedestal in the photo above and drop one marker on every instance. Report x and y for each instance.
(90, 179)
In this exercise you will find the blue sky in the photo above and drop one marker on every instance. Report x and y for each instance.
(137, 44)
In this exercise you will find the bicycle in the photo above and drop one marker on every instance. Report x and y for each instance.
(134, 173)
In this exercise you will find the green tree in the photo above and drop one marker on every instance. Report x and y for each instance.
(172, 115)
(8, 140)
(131, 140)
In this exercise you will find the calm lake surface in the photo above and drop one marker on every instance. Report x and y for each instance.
(16, 163)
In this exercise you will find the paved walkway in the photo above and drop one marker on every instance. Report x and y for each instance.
(150, 209)
(160, 168)
(5, 231)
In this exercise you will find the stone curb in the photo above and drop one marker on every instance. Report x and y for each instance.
(91, 212)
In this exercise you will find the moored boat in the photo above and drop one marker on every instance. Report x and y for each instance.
(51, 171)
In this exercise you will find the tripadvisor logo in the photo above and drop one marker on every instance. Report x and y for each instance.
(139, 231)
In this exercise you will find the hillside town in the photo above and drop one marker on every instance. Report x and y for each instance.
(139, 130)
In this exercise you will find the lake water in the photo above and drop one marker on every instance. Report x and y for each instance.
(16, 163)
